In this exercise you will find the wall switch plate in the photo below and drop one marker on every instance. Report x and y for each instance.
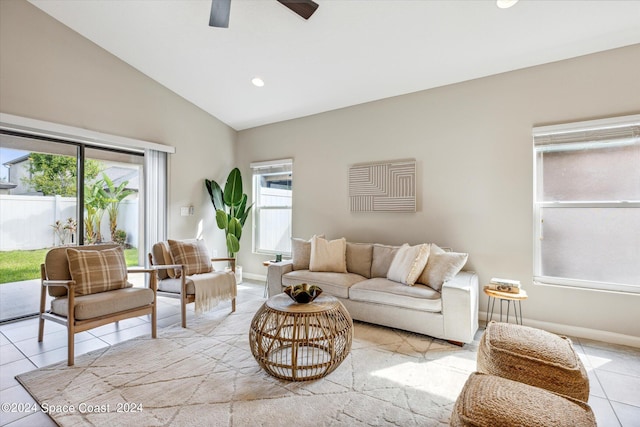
(186, 211)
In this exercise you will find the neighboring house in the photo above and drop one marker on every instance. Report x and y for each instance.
(19, 169)
(6, 187)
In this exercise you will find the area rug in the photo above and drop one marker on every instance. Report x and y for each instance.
(205, 375)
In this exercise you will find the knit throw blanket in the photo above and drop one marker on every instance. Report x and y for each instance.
(211, 288)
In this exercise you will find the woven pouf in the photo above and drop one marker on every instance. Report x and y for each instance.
(490, 401)
(533, 356)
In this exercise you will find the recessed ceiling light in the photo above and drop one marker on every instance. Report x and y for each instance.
(505, 4)
(257, 81)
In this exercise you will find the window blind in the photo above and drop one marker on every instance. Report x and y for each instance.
(618, 131)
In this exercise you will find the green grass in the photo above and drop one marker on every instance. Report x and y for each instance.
(16, 266)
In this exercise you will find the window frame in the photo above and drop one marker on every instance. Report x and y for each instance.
(544, 137)
(153, 189)
(259, 169)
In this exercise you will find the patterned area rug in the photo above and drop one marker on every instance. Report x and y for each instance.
(206, 376)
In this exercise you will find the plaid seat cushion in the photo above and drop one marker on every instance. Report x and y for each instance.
(193, 255)
(104, 303)
(97, 271)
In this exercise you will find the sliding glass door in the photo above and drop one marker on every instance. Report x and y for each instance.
(113, 201)
(55, 192)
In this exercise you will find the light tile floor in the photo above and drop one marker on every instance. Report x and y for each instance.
(614, 370)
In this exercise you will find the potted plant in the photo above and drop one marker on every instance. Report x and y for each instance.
(231, 210)
(65, 229)
(120, 237)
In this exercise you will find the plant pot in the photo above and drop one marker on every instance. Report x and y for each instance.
(238, 273)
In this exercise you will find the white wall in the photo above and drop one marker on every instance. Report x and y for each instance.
(49, 72)
(473, 146)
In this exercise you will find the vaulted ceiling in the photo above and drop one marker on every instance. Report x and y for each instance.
(349, 52)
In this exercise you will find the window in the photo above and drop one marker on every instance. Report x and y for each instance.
(587, 204)
(272, 198)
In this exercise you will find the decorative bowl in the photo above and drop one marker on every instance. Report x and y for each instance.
(303, 293)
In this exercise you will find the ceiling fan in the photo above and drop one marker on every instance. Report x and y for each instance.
(220, 10)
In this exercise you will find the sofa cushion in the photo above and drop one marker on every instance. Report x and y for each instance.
(408, 264)
(328, 255)
(382, 257)
(193, 255)
(359, 256)
(97, 271)
(336, 284)
(388, 292)
(441, 267)
(104, 303)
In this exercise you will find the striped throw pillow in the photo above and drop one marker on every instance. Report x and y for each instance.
(193, 255)
(97, 271)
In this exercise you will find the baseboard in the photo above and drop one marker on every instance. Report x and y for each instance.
(253, 276)
(578, 332)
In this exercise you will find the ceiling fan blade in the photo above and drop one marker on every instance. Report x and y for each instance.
(304, 8)
(220, 13)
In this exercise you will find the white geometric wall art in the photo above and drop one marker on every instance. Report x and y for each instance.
(388, 186)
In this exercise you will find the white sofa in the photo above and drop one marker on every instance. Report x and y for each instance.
(450, 313)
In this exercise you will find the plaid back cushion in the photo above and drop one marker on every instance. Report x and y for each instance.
(193, 255)
(97, 271)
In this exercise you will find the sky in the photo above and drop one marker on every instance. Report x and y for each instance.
(8, 154)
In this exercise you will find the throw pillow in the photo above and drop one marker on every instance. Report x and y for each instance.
(328, 255)
(193, 255)
(441, 266)
(382, 258)
(301, 253)
(408, 264)
(97, 271)
(359, 257)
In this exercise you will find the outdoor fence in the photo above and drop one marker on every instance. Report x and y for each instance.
(25, 221)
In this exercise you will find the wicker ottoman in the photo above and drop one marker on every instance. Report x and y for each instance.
(533, 356)
(490, 401)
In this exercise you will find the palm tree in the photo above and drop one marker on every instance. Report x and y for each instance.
(95, 202)
(115, 195)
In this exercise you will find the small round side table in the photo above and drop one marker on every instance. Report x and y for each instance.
(300, 342)
(506, 296)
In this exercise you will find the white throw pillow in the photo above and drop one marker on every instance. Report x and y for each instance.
(408, 264)
(441, 267)
(328, 255)
(301, 253)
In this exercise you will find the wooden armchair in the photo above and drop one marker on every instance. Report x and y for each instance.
(90, 289)
(185, 271)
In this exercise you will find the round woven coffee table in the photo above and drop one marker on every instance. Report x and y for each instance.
(300, 342)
